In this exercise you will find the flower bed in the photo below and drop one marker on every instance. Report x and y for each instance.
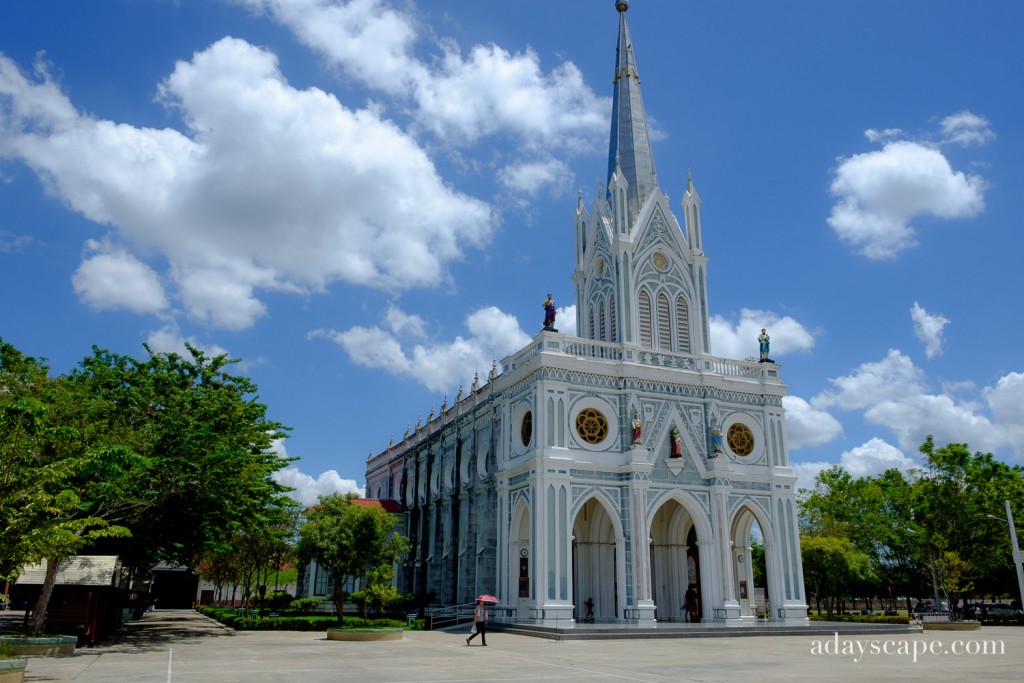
(42, 645)
(364, 634)
(861, 619)
(12, 670)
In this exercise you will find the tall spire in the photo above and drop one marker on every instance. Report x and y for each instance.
(630, 145)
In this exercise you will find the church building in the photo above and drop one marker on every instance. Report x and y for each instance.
(609, 475)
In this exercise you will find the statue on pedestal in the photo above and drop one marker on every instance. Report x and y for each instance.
(765, 342)
(549, 314)
(637, 429)
(677, 443)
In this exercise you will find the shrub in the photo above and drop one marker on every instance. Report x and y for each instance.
(5, 651)
(305, 605)
(275, 600)
(861, 619)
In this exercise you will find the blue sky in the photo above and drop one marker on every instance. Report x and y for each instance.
(366, 201)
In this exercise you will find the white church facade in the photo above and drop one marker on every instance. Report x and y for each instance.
(620, 468)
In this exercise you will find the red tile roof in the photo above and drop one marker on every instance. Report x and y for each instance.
(387, 505)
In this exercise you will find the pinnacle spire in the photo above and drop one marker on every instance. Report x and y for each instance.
(630, 146)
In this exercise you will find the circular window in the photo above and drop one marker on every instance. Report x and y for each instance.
(591, 425)
(659, 260)
(741, 439)
(526, 429)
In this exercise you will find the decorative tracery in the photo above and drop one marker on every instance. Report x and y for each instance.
(591, 426)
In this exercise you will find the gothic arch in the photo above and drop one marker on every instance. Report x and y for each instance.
(743, 515)
(520, 539)
(645, 318)
(675, 561)
(598, 557)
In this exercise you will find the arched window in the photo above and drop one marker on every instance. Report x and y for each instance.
(611, 316)
(592, 323)
(664, 324)
(645, 320)
(601, 312)
(683, 324)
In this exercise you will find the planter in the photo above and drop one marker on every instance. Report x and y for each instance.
(12, 670)
(952, 626)
(42, 645)
(364, 634)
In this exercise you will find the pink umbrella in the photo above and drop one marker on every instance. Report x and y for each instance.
(486, 597)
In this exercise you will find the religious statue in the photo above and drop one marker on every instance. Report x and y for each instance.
(677, 443)
(716, 440)
(549, 314)
(765, 341)
(637, 428)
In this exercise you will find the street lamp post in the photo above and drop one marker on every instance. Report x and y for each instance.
(1017, 559)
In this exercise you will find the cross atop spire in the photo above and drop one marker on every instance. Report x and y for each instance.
(630, 145)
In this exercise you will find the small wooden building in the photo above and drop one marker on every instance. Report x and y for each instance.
(90, 598)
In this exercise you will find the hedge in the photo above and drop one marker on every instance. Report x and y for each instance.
(861, 619)
(243, 622)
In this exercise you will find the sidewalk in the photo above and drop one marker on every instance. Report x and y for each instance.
(183, 646)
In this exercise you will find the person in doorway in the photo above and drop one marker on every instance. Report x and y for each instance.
(690, 604)
(479, 623)
(589, 604)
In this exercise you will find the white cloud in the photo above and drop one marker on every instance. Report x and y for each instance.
(369, 40)
(893, 393)
(740, 340)
(112, 278)
(966, 129)
(870, 459)
(459, 98)
(13, 244)
(1006, 401)
(887, 134)
(875, 457)
(894, 377)
(497, 331)
(272, 188)
(565, 320)
(878, 193)
(439, 366)
(928, 329)
(308, 489)
(401, 323)
(914, 417)
(808, 426)
(529, 177)
(168, 339)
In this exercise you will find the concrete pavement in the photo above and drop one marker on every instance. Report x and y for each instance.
(183, 646)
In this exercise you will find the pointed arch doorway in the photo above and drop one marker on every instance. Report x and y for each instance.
(749, 567)
(594, 563)
(675, 563)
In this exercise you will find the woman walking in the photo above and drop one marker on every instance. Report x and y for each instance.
(479, 623)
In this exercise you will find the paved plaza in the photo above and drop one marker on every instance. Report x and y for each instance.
(183, 646)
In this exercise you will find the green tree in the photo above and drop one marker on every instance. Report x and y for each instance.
(47, 480)
(953, 575)
(348, 541)
(954, 502)
(832, 567)
(153, 460)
